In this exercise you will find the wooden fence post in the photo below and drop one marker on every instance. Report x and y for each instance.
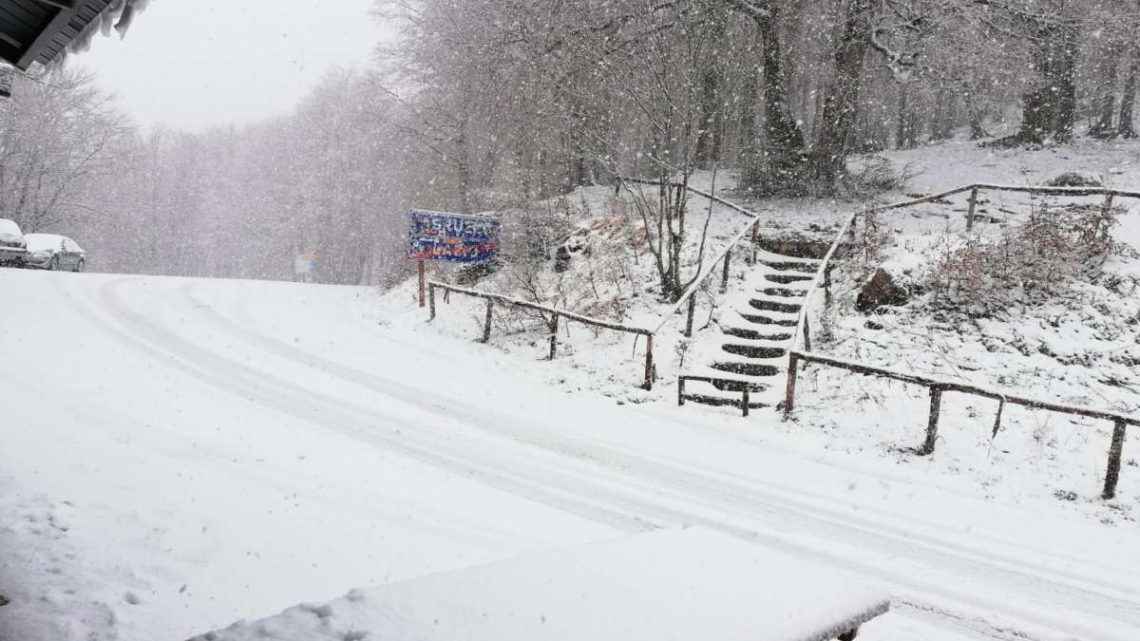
(973, 208)
(689, 320)
(680, 391)
(790, 390)
(724, 276)
(744, 404)
(827, 286)
(487, 323)
(1108, 203)
(649, 362)
(932, 423)
(1115, 451)
(431, 300)
(755, 239)
(554, 337)
(807, 331)
(422, 271)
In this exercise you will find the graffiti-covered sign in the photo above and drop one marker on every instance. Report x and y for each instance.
(452, 237)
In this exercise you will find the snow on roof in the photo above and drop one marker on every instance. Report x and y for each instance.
(42, 31)
(684, 585)
(9, 227)
(40, 242)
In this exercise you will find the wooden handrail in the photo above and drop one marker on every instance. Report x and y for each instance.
(965, 388)
(515, 302)
(938, 386)
(708, 269)
(1059, 191)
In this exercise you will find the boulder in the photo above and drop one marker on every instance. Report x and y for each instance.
(880, 290)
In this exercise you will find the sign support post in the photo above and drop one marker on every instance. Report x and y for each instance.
(423, 278)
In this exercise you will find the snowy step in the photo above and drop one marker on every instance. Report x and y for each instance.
(774, 306)
(706, 393)
(730, 382)
(755, 335)
(748, 369)
(785, 279)
(778, 321)
(755, 351)
(783, 292)
(787, 266)
(765, 255)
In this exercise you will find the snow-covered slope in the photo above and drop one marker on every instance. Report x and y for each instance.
(178, 454)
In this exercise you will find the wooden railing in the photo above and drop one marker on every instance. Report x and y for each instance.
(938, 386)
(800, 350)
(745, 392)
(552, 322)
(688, 297)
(723, 259)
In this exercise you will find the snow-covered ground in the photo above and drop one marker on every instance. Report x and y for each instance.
(178, 454)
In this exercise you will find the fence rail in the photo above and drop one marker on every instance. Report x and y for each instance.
(555, 315)
(801, 340)
(938, 386)
(688, 297)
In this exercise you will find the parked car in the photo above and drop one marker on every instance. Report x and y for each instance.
(54, 252)
(13, 247)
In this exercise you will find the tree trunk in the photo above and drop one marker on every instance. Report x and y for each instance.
(946, 116)
(712, 114)
(977, 120)
(1126, 127)
(1106, 103)
(905, 135)
(829, 162)
(780, 161)
(1049, 110)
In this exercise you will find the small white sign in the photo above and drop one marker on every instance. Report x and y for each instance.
(306, 263)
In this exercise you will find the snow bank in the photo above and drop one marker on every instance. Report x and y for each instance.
(684, 585)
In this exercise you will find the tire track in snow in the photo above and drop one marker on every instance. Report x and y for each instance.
(663, 477)
(366, 425)
(727, 499)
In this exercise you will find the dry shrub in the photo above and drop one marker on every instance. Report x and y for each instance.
(1030, 261)
(878, 175)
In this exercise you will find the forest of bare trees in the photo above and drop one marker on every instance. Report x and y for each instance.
(492, 104)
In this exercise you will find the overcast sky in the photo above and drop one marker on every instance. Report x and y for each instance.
(195, 63)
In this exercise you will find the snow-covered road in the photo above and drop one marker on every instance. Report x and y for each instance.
(176, 454)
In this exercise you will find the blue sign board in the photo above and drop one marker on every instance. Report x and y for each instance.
(452, 237)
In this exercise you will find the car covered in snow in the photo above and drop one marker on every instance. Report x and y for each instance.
(13, 247)
(54, 252)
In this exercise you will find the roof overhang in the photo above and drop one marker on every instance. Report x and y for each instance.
(41, 31)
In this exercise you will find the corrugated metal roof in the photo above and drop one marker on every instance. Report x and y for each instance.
(40, 30)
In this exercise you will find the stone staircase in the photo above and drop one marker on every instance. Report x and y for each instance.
(756, 322)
